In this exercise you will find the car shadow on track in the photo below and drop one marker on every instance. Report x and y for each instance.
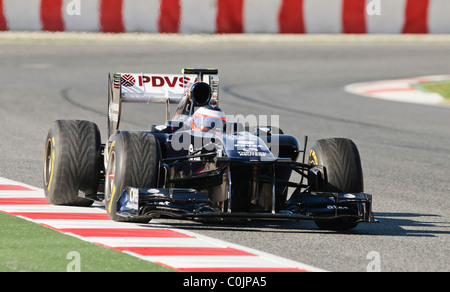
(410, 224)
(391, 224)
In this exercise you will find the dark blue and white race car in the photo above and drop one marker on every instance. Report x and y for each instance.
(201, 163)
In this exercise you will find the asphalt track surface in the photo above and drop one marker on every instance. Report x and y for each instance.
(405, 148)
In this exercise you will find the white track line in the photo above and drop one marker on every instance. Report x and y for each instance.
(400, 90)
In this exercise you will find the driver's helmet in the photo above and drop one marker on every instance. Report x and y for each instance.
(208, 118)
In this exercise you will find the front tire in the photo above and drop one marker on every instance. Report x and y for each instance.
(133, 161)
(72, 161)
(342, 173)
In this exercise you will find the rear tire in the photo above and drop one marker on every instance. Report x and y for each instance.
(72, 161)
(133, 161)
(342, 173)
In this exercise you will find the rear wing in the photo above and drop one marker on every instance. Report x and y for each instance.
(154, 88)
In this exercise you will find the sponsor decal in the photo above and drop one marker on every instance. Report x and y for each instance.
(252, 153)
(334, 207)
(127, 80)
(113, 111)
(133, 202)
(164, 81)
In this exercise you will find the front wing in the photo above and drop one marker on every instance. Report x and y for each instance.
(192, 204)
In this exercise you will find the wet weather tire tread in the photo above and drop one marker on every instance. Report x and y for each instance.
(342, 173)
(77, 161)
(137, 157)
(342, 164)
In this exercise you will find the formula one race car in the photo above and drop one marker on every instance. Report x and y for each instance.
(201, 164)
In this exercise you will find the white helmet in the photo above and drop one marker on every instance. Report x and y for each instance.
(207, 118)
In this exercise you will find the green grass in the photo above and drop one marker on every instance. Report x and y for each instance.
(440, 87)
(29, 247)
